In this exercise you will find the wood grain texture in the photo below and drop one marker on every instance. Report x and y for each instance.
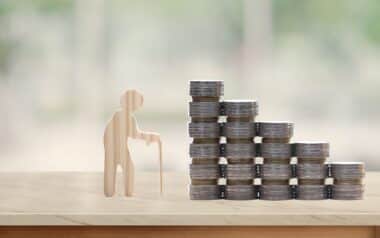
(77, 199)
(119, 129)
(187, 232)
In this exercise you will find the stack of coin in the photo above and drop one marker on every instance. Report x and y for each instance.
(276, 152)
(348, 183)
(240, 151)
(205, 131)
(311, 170)
(239, 131)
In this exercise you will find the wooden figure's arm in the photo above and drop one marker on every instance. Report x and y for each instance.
(148, 137)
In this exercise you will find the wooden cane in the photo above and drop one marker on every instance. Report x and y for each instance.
(161, 175)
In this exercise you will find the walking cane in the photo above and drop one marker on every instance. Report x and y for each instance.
(160, 158)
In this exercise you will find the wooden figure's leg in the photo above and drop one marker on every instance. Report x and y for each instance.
(129, 175)
(110, 166)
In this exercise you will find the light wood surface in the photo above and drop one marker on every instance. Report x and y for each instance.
(188, 232)
(77, 199)
(119, 129)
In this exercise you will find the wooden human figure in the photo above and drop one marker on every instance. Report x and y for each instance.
(122, 127)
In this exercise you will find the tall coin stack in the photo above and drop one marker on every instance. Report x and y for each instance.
(348, 183)
(239, 131)
(276, 153)
(311, 170)
(205, 131)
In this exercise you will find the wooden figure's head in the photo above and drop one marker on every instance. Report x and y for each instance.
(131, 100)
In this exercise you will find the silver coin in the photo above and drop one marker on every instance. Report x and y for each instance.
(275, 192)
(204, 109)
(206, 88)
(312, 149)
(239, 130)
(347, 170)
(240, 108)
(204, 192)
(240, 192)
(275, 150)
(240, 150)
(275, 129)
(204, 171)
(276, 171)
(347, 192)
(311, 171)
(240, 171)
(204, 151)
(311, 192)
(204, 130)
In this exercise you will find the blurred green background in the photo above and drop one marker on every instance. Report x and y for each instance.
(64, 64)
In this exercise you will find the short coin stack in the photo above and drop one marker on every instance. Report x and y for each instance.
(348, 183)
(205, 131)
(239, 131)
(311, 170)
(276, 152)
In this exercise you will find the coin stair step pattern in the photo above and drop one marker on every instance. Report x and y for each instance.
(227, 129)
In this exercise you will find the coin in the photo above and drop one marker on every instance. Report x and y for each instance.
(312, 149)
(204, 192)
(240, 150)
(204, 171)
(240, 192)
(239, 130)
(199, 88)
(275, 150)
(276, 171)
(347, 192)
(275, 192)
(347, 170)
(240, 108)
(311, 171)
(204, 130)
(240, 171)
(204, 151)
(275, 129)
(311, 192)
(204, 109)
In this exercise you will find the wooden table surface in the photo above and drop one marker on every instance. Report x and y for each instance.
(77, 199)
